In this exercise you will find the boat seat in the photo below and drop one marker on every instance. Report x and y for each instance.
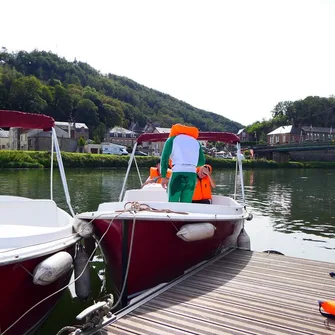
(14, 236)
(28, 212)
(28, 222)
(157, 194)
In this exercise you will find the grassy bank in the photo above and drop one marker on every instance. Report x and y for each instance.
(41, 159)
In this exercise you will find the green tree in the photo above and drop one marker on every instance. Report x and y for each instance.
(96, 140)
(87, 111)
(25, 95)
(100, 132)
(63, 103)
(113, 116)
(81, 144)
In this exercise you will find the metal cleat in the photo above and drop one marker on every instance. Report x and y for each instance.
(89, 310)
(96, 317)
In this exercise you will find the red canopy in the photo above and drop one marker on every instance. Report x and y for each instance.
(25, 120)
(203, 136)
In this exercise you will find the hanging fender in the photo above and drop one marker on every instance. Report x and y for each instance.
(83, 283)
(52, 268)
(196, 231)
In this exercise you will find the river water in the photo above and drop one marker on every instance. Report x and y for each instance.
(292, 208)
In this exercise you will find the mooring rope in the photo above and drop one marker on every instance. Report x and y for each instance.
(133, 209)
(136, 207)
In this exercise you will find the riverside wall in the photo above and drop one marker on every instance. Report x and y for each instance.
(317, 155)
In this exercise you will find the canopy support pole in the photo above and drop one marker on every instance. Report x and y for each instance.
(61, 171)
(127, 173)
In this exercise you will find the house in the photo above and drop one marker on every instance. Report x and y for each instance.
(317, 134)
(290, 135)
(156, 148)
(92, 148)
(39, 140)
(75, 129)
(35, 139)
(284, 135)
(14, 138)
(4, 139)
(150, 127)
(245, 136)
(136, 128)
(122, 136)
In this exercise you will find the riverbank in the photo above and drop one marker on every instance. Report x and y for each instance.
(41, 159)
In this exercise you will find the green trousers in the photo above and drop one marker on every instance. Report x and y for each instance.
(181, 186)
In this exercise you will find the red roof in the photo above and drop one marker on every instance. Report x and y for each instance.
(203, 136)
(25, 120)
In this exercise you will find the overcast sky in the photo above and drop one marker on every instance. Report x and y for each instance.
(237, 58)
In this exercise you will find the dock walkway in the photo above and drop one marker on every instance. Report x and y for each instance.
(242, 292)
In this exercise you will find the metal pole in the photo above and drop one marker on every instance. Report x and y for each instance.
(127, 173)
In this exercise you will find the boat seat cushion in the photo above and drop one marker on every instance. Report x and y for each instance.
(157, 194)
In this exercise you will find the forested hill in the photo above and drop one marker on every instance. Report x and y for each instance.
(42, 82)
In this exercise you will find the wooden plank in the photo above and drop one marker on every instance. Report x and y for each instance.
(241, 293)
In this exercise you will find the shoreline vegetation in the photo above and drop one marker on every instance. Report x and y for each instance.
(41, 159)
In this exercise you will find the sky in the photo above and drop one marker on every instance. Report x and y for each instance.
(236, 58)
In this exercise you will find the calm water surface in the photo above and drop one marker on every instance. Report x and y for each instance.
(293, 209)
(293, 212)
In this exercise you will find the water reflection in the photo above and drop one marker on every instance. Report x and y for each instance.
(293, 200)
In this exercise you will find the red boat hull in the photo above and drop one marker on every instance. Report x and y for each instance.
(19, 294)
(158, 255)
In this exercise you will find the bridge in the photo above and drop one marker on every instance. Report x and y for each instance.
(306, 151)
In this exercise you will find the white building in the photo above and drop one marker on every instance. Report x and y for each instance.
(122, 136)
(4, 139)
(157, 147)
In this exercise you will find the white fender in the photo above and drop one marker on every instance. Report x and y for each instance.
(52, 268)
(196, 231)
(83, 228)
(243, 240)
(231, 240)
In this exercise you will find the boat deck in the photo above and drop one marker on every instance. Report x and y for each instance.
(242, 292)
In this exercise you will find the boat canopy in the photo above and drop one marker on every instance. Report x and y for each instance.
(203, 136)
(9, 118)
(24, 120)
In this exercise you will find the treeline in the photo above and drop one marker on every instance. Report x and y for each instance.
(42, 82)
(312, 111)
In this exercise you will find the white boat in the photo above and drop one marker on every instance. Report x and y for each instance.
(147, 240)
(37, 245)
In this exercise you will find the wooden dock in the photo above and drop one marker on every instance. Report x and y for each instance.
(242, 292)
